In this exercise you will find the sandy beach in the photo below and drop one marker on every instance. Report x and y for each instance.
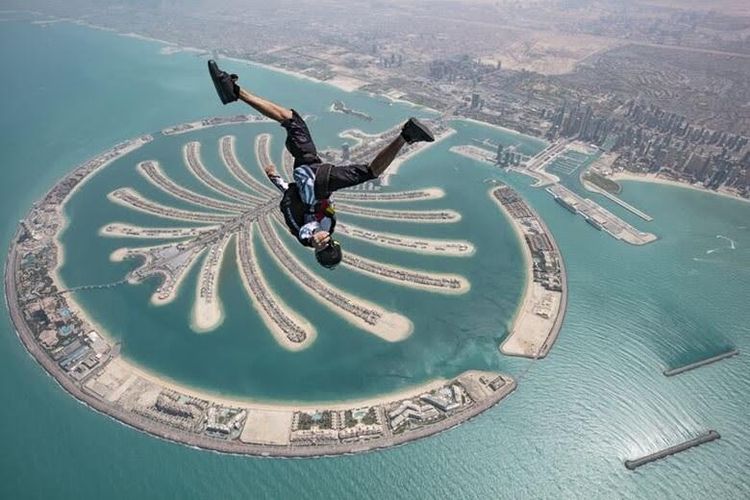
(513, 341)
(500, 128)
(120, 254)
(340, 82)
(196, 217)
(653, 178)
(419, 216)
(125, 230)
(432, 193)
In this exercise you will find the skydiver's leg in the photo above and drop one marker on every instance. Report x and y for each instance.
(350, 175)
(344, 176)
(299, 141)
(265, 107)
(386, 156)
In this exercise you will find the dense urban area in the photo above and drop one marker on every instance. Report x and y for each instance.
(664, 85)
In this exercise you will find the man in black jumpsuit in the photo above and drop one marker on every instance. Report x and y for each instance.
(306, 206)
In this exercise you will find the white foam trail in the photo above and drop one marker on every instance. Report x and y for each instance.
(732, 243)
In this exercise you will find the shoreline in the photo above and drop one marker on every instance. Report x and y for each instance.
(528, 270)
(114, 403)
(333, 82)
(502, 129)
(431, 193)
(655, 179)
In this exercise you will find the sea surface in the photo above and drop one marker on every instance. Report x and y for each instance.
(599, 398)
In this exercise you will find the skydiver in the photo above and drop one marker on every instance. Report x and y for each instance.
(308, 211)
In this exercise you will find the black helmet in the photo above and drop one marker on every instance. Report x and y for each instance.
(330, 255)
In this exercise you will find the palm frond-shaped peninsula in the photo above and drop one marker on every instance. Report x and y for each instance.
(246, 212)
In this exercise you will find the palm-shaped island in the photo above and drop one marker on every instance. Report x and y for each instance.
(251, 213)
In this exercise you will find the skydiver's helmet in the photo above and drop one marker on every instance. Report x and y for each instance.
(329, 256)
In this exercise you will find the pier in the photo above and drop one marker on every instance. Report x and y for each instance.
(703, 362)
(711, 435)
(624, 204)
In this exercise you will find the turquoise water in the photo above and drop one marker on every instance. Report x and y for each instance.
(599, 397)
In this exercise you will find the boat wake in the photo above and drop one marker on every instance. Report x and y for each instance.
(732, 244)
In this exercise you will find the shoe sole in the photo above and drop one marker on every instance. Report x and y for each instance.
(215, 72)
(426, 135)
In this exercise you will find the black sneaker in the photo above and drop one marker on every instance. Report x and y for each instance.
(416, 131)
(224, 82)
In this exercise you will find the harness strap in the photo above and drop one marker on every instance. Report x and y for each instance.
(322, 176)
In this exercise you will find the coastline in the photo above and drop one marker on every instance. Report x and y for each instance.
(337, 83)
(86, 396)
(121, 254)
(86, 393)
(655, 179)
(502, 129)
(528, 271)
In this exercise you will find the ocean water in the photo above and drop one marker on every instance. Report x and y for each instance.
(598, 398)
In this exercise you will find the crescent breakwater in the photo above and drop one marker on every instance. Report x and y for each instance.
(108, 384)
(83, 360)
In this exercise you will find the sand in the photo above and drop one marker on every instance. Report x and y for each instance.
(271, 405)
(432, 193)
(125, 230)
(652, 178)
(409, 215)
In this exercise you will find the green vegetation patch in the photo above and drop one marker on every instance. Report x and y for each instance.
(602, 182)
